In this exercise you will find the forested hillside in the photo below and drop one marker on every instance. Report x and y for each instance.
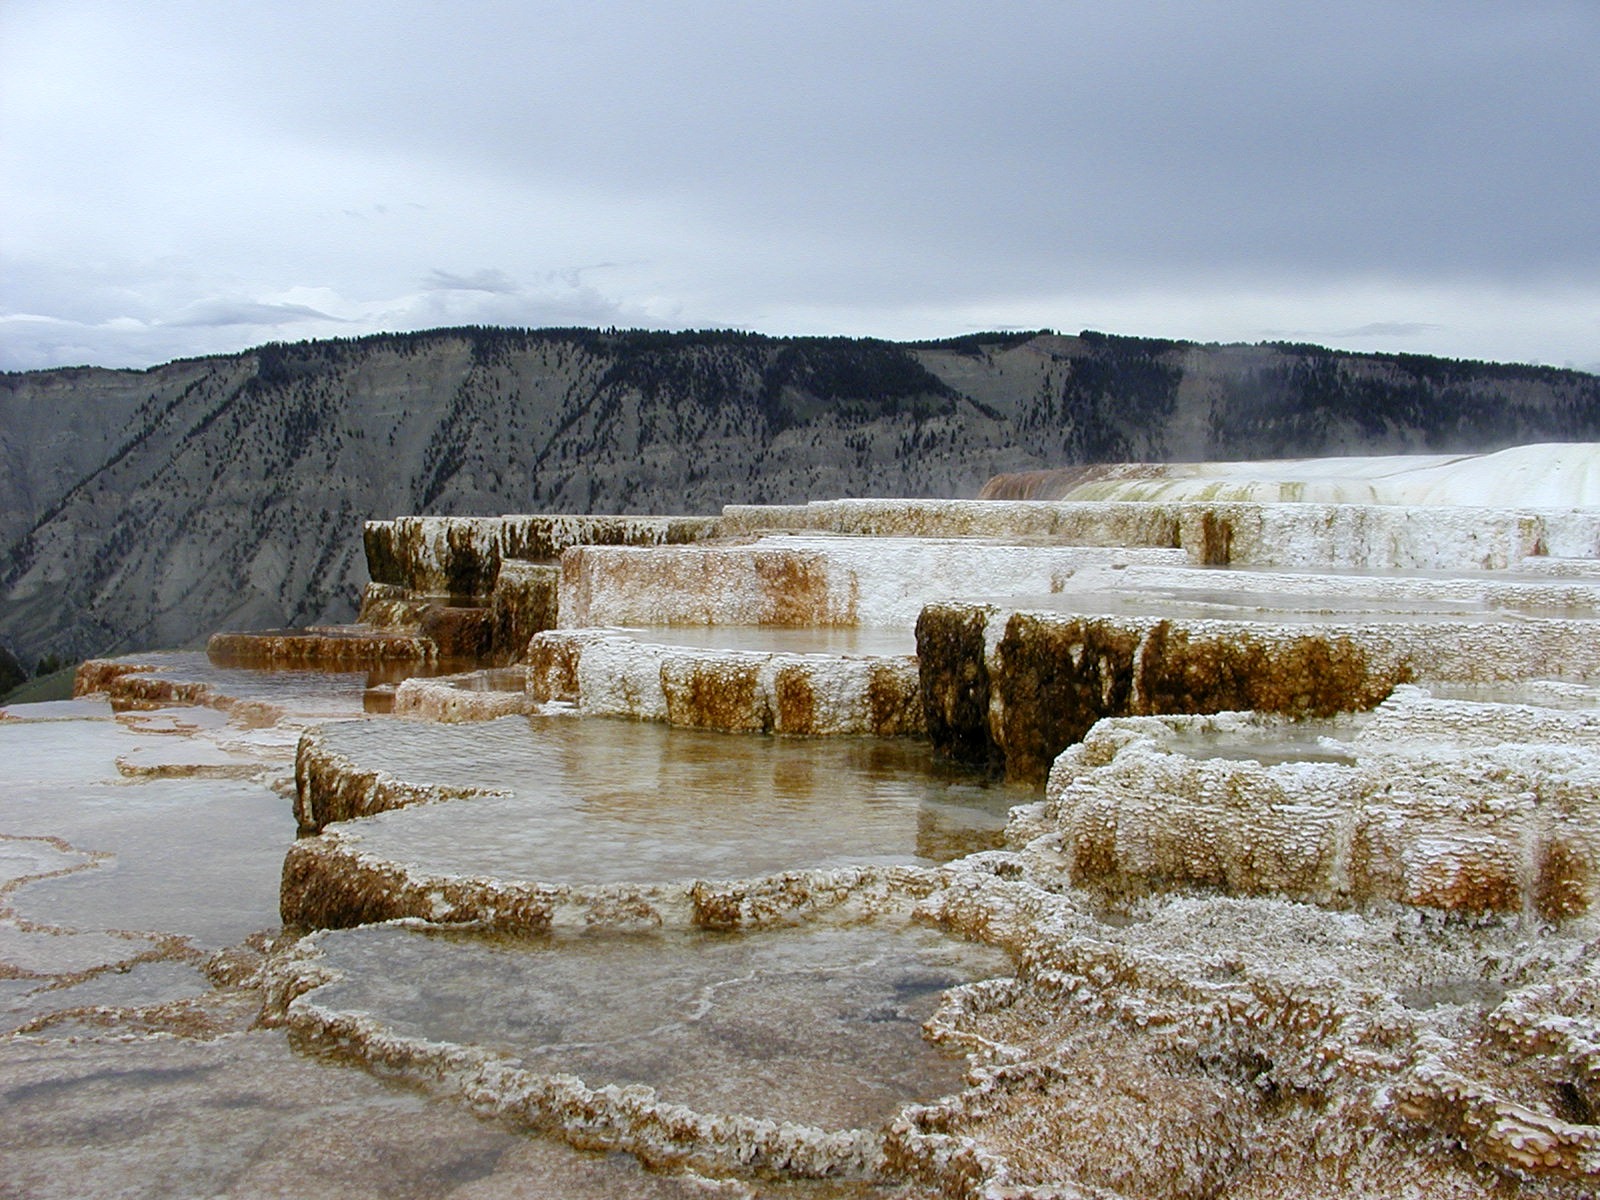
(148, 508)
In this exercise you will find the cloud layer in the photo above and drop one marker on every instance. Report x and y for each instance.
(182, 178)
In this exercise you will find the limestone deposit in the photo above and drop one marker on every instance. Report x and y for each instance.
(1208, 845)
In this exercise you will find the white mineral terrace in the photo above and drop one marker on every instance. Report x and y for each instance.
(1542, 476)
(1344, 945)
(817, 581)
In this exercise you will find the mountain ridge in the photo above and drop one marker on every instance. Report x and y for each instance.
(144, 508)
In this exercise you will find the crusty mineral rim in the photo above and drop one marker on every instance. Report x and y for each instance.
(330, 883)
(1219, 533)
(134, 687)
(1497, 828)
(330, 786)
(463, 697)
(342, 646)
(735, 691)
(1318, 1036)
(630, 1118)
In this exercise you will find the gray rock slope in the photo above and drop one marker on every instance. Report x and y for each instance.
(149, 508)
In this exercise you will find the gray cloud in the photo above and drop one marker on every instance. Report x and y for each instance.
(486, 280)
(1201, 169)
(1372, 329)
(214, 313)
(1390, 329)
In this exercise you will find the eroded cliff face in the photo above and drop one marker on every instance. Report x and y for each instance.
(144, 508)
(233, 494)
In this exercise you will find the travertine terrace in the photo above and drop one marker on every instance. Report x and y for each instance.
(1226, 838)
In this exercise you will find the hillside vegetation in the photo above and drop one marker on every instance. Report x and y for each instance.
(148, 508)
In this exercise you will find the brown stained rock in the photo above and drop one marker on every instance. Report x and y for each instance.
(330, 787)
(392, 608)
(716, 694)
(464, 633)
(1123, 1118)
(98, 675)
(1526, 1143)
(553, 668)
(1056, 679)
(384, 565)
(523, 603)
(795, 701)
(470, 567)
(1055, 676)
(953, 675)
(462, 556)
(1563, 883)
(326, 886)
(1116, 523)
(319, 892)
(546, 537)
(1310, 675)
(1476, 878)
(1500, 830)
(894, 698)
(795, 591)
(132, 693)
(1216, 540)
(332, 646)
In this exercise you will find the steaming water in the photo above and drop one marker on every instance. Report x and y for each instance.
(598, 801)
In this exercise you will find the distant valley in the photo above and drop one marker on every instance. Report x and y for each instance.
(148, 508)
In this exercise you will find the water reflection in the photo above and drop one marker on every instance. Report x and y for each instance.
(593, 801)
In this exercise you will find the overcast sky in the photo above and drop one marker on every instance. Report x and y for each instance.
(184, 178)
